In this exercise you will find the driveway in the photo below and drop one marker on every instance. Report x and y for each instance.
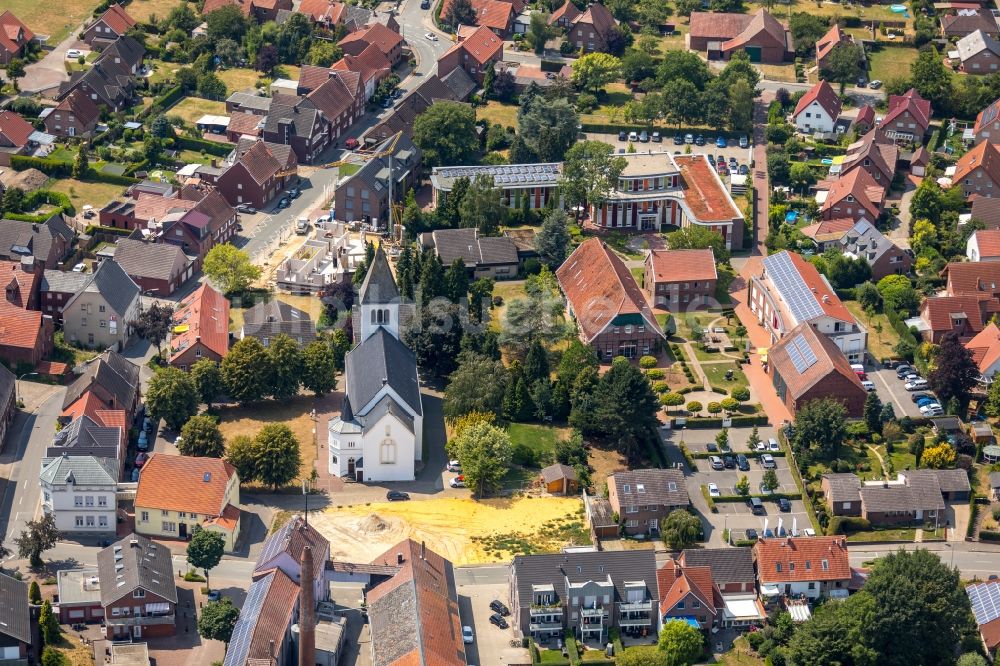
(50, 71)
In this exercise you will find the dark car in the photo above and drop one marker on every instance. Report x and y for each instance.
(294, 193)
(699, 140)
(742, 462)
(744, 170)
(622, 136)
(397, 496)
(713, 447)
(729, 462)
(903, 370)
(917, 397)
(678, 140)
(497, 606)
(498, 620)
(751, 534)
(425, 4)
(284, 203)
(784, 505)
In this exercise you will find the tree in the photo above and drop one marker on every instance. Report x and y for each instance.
(460, 12)
(806, 30)
(230, 267)
(682, 643)
(324, 54)
(622, 411)
(873, 412)
(684, 66)
(694, 407)
(482, 207)
(743, 486)
(844, 64)
(801, 176)
(741, 106)
(161, 127)
(696, 237)
(319, 367)
(477, 385)
(34, 593)
(590, 172)
(53, 657)
(15, 71)
(931, 78)
(898, 294)
(955, 373)
(81, 165)
(993, 400)
(941, 456)
(446, 133)
(48, 624)
(436, 338)
(722, 439)
(207, 380)
(172, 396)
(267, 59)
(211, 86)
(671, 400)
(553, 239)
(778, 167)
(869, 297)
(539, 316)
(821, 426)
(205, 550)
(538, 32)
(153, 324)
(753, 440)
(770, 480)
(246, 370)
(241, 454)
(595, 70)
(285, 362)
(681, 101)
(835, 635)
(680, 529)
(226, 22)
(276, 454)
(546, 127)
(201, 437)
(740, 393)
(484, 452)
(37, 537)
(971, 659)
(218, 619)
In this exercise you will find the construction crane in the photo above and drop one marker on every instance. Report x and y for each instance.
(386, 149)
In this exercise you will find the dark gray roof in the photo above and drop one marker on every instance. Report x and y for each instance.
(460, 83)
(465, 244)
(378, 360)
(249, 100)
(994, 479)
(557, 472)
(843, 487)
(83, 437)
(115, 373)
(64, 281)
(947, 423)
(375, 173)
(987, 211)
(127, 49)
(14, 609)
(108, 81)
(37, 238)
(83, 470)
(275, 317)
(159, 261)
(114, 285)
(394, 620)
(379, 285)
(561, 569)
(729, 565)
(132, 563)
(662, 487)
(7, 380)
(948, 480)
(920, 492)
(866, 242)
(302, 119)
(389, 406)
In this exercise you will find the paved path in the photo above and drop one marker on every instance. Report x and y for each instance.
(50, 71)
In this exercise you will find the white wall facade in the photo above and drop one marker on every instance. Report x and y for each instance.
(80, 508)
(814, 117)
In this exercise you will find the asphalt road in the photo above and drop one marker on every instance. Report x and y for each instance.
(414, 24)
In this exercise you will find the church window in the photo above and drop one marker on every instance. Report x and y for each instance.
(387, 452)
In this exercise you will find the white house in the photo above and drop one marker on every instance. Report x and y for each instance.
(817, 110)
(79, 491)
(983, 245)
(379, 433)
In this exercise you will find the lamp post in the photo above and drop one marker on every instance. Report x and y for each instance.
(17, 399)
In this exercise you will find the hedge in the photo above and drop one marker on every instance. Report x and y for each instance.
(719, 389)
(745, 543)
(550, 66)
(164, 101)
(45, 165)
(988, 535)
(25, 217)
(36, 198)
(847, 525)
(110, 178)
(210, 147)
(688, 458)
(709, 499)
(799, 482)
(736, 421)
(96, 228)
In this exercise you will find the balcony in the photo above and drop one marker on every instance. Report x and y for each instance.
(592, 612)
(642, 606)
(545, 626)
(145, 621)
(635, 620)
(546, 609)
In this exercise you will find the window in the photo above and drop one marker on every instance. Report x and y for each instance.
(90, 500)
(79, 521)
(632, 523)
(812, 586)
(90, 521)
(144, 517)
(777, 567)
(78, 500)
(631, 509)
(695, 603)
(680, 605)
(826, 565)
(182, 514)
(103, 323)
(102, 521)
(102, 308)
(808, 565)
(116, 612)
(387, 452)
(102, 501)
(169, 527)
(847, 505)
(139, 593)
(791, 566)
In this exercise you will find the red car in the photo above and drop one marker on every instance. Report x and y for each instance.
(141, 459)
(351, 143)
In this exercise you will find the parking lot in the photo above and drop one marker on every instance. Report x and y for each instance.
(890, 390)
(726, 479)
(736, 517)
(732, 149)
(474, 609)
(697, 440)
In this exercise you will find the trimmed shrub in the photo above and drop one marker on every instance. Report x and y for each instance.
(848, 525)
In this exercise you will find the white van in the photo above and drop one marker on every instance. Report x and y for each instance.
(302, 226)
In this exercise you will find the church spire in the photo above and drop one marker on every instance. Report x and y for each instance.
(379, 286)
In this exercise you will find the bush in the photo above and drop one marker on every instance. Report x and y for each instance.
(47, 166)
(647, 362)
(655, 374)
(199, 145)
(847, 525)
(524, 455)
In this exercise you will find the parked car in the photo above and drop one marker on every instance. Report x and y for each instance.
(716, 462)
(458, 482)
(352, 143)
(425, 4)
(214, 595)
(387, 103)
(925, 400)
(911, 377)
(767, 461)
(656, 137)
(498, 620)
(729, 462)
(689, 138)
(454, 466)
(772, 444)
(699, 140)
(862, 82)
(498, 606)
(915, 384)
(764, 490)
(756, 506)
(678, 140)
(633, 136)
(294, 193)
(80, 268)
(712, 447)
(875, 85)
(713, 490)
(744, 141)
(751, 534)
(141, 459)
(742, 462)
(643, 137)
(246, 208)
(744, 170)
(734, 170)
(284, 202)
(622, 136)
(917, 397)
(73, 54)
(784, 505)
(467, 635)
(143, 442)
(934, 409)
(868, 385)
(903, 370)
(720, 142)
(397, 496)
(761, 446)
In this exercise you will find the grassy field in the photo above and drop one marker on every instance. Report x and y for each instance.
(74, 651)
(890, 63)
(740, 655)
(143, 10)
(829, 10)
(81, 193)
(507, 290)
(611, 106)
(880, 344)
(294, 413)
(238, 79)
(190, 109)
(716, 373)
(784, 73)
(495, 112)
(45, 19)
(162, 71)
(541, 439)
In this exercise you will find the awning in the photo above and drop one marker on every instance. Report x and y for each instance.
(161, 607)
(762, 352)
(800, 612)
(745, 608)
(769, 590)
(182, 328)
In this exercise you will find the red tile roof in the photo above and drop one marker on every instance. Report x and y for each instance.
(762, 30)
(827, 97)
(205, 314)
(323, 10)
(568, 11)
(986, 155)
(704, 193)
(828, 230)
(978, 278)
(918, 107)
(482, 45)
(817, 558)
(229, 519)
(682, 265)
(600, 288)
(860, 185)
(275, 618)
(598, 16)
(184, 483)
(376, 33)
(866, 114)
(985, 347)
(26, 283)
(370, 63)
(52, 368)
(117, 19)
(990, 633)
(19, 328)
(988, 241)
(493, 13)
(81, 106)
(718, 26)
(829, 361)
(15, 128)
(13, 33)
(676, 583)
(260, 162)
(87, 404)
(153, 206)
(833, 38)
(937, 311)
(246, 124)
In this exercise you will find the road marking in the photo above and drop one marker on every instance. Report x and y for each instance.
(892, 394)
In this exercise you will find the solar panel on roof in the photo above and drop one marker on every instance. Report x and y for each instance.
(239, 646)
(985, 598)
(801, 354)
(802, 302)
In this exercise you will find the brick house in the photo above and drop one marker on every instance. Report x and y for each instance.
(732, 568)
(644, 497)
(811, 566)
(160, 268)
(594, 30)
(841, 492)
(15, 133)
(913, 498)
(493, 257)
(364, 195)
(341, 99)
(965, 315)
(201, 328)
(26, 337)
(864, 241)
(983, 245)
(473, 53)
(108, 27)
(834, 39)
(137, 589)
(8, 402)
(112, 379)
(720, 34)
(96, 311)
(259, 172)
(715, 588)
(680, 280)
(977, 172)
(979, 53)
(389, 42)
(75, 115)
(565, 15)
(688, 592)
(17, 627)
(371, 65)
(607, 304)
(828, 233)
(876, 154)
(298, 125)
(967, 21)
(14, 37)
(908, 117)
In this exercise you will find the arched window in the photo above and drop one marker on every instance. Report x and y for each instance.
(387, 452)
(385, 316)
(374, 313)
(333, 460)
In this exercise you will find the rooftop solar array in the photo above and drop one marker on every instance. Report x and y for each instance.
(506, 174)
(985, 598)
(239, 646)
(801, 301)
(801, 354)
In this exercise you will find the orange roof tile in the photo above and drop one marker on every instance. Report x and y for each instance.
(51, 368)
(482, 45)
(815, 558)
(13, 26)
(833, 38)
(184, 483)
(376, 33)
(985, 347)
(205, 313)
(117, 19)
(990, 633)
(860, 185)
(19, 328)
(323, 10)
(567, 11)
(676, 582)
(937, 311)
(229, 519)
(827, 97)
(704, 193)
(988, 241)
(682, 265)
(87, 404)
(827, 230)
(12, 275)
(968, 277)
(368, 64)
(986, 155)
(15, 128)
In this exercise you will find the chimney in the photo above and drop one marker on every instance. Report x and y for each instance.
(307, 611)
(423, 550)
(399, 558)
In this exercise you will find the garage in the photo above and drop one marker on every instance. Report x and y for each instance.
(754, 53)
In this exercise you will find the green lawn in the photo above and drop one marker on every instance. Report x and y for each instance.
(716, 373)
(346, 170)
(541, 439)
(63, 154)
(829, 10)
(551, 657)
(898, 534)
(890, 63)
(495, 112)
(81, 193)
(882, 337)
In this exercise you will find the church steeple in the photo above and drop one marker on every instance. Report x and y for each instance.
(379, 299)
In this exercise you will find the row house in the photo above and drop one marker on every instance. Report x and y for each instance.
(808, 566)
(985, 350)
(283, 550)
(538, 182)
(714, 588)
(983, 245)
(855, 195)
(138, 595)
(453, 87)
(110, 378)
(17, 627)
(254, 173)
(644, 497)
(114, 23)
(341, 99)
(789, 291)
(474, 52)
(680, 280)
(158, 268)
(970, 299)
(297, 124)
(584, 593)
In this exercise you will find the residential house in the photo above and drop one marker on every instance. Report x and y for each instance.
(242, 124)
(379, 433)
(644, 497)
(817, 110)
(75, 115)
(105, 85)
(371, 65)
(983, 245)
(14, 37)
(908, 117)
(985, 599)
(979, 53)
(680, 280)
(86, 437)
(978, 279)
(20, 285)
(248, 102)
(691, 591)
(807, 365)
(326, 12)
(201, 328)
(17, 627)
(864, 122)
(538, 182)
(493, 257)
(864, 241)
(178, 493)
(732, 568)
(966, 21)
(719, 35)
(112, 379)
(365, 194)
(259, 10)
(834, 39)
(283, 550)
(790, 291)
(263, 632)
(919, 161)
(414, 614)
(987, 127)
(108, 27)
(266, 320)
(78, 491)
(687, 593)
(432, 89)
(977, 172)
(299, 125)
(388, 41)
(474, 53)
(258, 171)
(341, 98)
(842, 493)
(985, 349)
(79, 595)
(966, 315)
(96, 312)
(45, 245)
(827, 234)
(26, 336)
(594, 30)
(15, 135)
(875, 153)
(810, 566)
(855, 195)
(559, 479)
(914, 498)
(497, 16)
(8, 402)
(607, 304)
(986, 211)
(565, 16)
(586, 593)
(137, 589)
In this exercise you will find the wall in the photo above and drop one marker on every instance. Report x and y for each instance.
(60, 501)
(80, 324)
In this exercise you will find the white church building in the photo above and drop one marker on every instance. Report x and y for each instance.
(379, 433)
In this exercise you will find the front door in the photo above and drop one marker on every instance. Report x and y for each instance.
(137, 631)
(627, 349)
(183, 530)
(754, 52)
(350, 466)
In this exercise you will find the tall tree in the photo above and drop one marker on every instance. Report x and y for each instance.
(552, 240)
(956, 373)
(873, 413)
(931, 78)
(172, 396)
(835, 635)
(538, 32)
(821, 426)
(485, 453)
(536, 362)
(477, 385)
(546, 127)
(446, 132)
(539, 316)
(153, 324)
(226, 22)
(741, 106)
(218, 620)
(207, 380)
(285, 362)
(482, 207)
(241, 453)
(844, 64)
(201, 437)
(319, 367)
(205, 550)
(436, 340)
(276, 451)
(460, 12)
(590, 173)
(681, 102)
(697, 237)
(37, 537)
(81, 165)
(898, 294)
(595, 70)
(456, 281)
(230, 268)
(48, 624)
(622, 409)
(680, 529)
(15, 71)
(683, 66)
(246, 370)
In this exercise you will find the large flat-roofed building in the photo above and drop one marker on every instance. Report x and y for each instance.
(538, 182)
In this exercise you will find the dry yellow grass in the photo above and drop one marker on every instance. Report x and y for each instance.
(76, 652)
(143, 10)
(45, 19)
(463, 530)
(293, 413)
(239, 79)
(190, 109)
(81, 193)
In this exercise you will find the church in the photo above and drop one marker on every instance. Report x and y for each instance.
(379, 433)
